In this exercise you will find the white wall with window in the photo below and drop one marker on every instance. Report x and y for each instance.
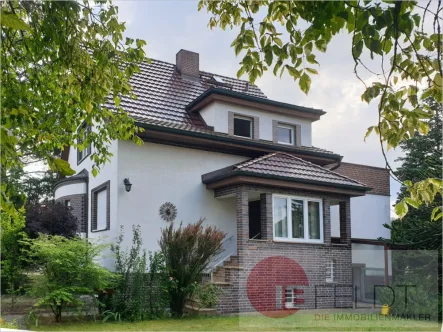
(216, 115)
(298, 219)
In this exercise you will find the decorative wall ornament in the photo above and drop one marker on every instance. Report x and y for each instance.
(168, 211)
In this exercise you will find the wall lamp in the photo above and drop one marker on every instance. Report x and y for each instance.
(128, 184)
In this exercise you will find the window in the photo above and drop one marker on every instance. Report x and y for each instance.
(289, 298)
(243, 126)
(85, 151)
(67, 203)
(298, 219)
(285, 134)
(330, 271)
(293, 297)
(100, 206)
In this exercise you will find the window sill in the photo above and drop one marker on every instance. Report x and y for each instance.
(297, 242)
(242, 137)
(100, 230)
(283, 143)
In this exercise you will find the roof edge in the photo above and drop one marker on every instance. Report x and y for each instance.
(242, 96)
(228, 139)
(285, 178)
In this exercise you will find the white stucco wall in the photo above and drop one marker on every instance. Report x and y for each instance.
(368, 214)
(216, 115)
(161, 173)
(107, 172)
(70, 189)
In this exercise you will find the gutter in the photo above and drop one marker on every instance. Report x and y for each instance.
(233, 140)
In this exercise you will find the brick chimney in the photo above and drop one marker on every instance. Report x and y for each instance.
(187, 63)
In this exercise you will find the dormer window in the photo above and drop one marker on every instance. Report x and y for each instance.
(243, 126)
(285, 134)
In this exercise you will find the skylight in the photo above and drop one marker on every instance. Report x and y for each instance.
(218, 79)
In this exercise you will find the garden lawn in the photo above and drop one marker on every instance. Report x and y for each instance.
(297, 322)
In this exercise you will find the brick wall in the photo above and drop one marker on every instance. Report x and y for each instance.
(187, 63)
(78, 209)
(312, 258)
(375, 177)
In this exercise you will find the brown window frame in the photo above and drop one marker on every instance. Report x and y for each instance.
(94, 192)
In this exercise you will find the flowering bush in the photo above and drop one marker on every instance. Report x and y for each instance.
(187, 252)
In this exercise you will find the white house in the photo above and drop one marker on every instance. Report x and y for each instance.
(216, 147)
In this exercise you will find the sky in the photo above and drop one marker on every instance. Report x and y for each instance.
(168, 26)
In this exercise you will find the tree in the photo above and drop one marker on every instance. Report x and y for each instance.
(61, 60)
(28, 188)
(51, 218)
(187, 252)
(404, 37)
(423, 159)
(69, 270)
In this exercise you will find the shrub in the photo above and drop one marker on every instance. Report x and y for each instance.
(51, 218)
(69, 270)
(13, 253)
(208, 296)
(139, 294)
(187, 252)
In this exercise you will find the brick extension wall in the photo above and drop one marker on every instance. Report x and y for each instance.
(78, 209)
(375, 177)
(313, 258)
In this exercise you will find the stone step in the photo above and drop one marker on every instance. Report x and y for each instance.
(201, 312)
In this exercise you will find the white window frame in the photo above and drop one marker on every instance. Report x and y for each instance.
(241, 117)
(330, 271)
(305, 219)
(291, 128)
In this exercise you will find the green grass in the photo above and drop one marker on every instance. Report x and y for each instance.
(296, 322)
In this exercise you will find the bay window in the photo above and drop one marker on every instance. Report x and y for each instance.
(298, 219)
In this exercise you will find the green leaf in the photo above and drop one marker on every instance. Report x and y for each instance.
(312, 71)
(63, 167)
(357, 49)
(413, 202)
(278, 41)
(305, 83)
(321, 45)
(375, 46)
(12, 21)
(268, 57)
(436, 214)
(401, 209)
(368, 132)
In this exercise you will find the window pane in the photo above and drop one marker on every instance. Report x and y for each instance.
(314, 220)
(102, 203)
(280, 217)
(242, 127)
(284, 135)
(298, 230)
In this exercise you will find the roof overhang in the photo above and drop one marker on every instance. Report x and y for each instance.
(250, 178)
(263, 104)
(226, 144)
